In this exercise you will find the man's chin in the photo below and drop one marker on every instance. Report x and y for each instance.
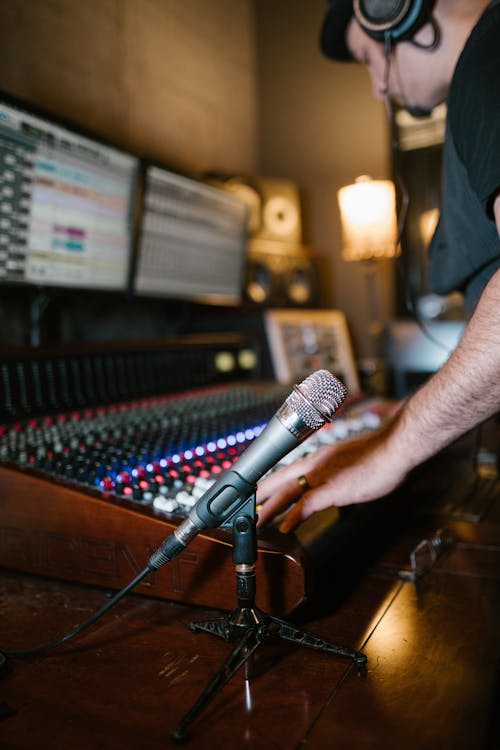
(418, 112)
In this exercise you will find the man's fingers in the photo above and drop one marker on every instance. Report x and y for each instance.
(279, 501)
(276, 481)
(312, 501)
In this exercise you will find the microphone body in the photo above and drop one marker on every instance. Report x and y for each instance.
(308, 408)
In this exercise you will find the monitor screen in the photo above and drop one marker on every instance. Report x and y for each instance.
(66, 205)
(192, 241)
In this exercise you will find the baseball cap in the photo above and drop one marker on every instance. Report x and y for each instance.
(332, 37)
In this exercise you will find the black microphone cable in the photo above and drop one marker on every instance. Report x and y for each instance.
(44, 647)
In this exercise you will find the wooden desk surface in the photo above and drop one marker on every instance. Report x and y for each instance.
(431, 680)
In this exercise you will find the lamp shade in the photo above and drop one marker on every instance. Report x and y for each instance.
(368, 218)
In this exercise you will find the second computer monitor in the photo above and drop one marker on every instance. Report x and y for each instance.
(192, 242)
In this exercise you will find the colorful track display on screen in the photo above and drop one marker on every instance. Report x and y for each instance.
(66, 205)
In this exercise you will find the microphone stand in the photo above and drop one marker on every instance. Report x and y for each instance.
(247, 625)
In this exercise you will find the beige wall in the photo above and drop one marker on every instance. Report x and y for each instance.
(320, 125)
(173, 80)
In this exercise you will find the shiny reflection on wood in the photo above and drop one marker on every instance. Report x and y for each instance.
(248, 696)
(431, 672)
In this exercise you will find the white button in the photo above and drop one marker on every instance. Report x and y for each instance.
(167, 504)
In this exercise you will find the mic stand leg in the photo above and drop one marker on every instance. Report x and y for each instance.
(247, 625)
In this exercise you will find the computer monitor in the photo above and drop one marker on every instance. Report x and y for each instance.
(67, 205)
(416, 350)
(192, 242)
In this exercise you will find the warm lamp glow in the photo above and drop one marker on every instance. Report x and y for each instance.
(369, 222)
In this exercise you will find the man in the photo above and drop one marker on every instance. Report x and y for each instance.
(449, 50)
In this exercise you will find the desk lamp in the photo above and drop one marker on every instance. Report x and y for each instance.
(370, 234)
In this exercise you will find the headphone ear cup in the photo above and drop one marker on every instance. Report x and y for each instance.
(394, 19)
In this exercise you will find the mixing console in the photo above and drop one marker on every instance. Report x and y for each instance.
(89, 492)
(160, 452)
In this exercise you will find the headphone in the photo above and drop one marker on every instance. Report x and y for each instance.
(392, 21)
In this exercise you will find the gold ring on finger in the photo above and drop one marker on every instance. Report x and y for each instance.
(304, 483)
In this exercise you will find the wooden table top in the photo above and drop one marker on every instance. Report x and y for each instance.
(431, 680)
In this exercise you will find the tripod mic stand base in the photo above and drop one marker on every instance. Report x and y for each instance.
(245, 618)
(230, 626)
(248, 626)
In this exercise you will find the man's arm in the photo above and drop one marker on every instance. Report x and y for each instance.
(462, 394)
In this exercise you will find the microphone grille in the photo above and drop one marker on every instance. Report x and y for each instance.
(317, 398)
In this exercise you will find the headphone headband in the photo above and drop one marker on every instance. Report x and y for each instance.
(393, 19)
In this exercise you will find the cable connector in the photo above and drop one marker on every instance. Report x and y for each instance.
(168, 549)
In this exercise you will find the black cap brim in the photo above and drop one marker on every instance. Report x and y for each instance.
(333, 31)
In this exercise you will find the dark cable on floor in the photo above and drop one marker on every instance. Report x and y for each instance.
(20, 653)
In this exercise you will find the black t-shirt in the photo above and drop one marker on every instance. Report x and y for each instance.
(465, 250)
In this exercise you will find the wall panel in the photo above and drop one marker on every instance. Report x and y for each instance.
(172, 80)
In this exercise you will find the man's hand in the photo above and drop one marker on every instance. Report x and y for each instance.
(351, 471)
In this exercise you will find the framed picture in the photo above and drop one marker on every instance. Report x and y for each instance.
(303, 341)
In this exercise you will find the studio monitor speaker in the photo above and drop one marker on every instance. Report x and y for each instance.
(280, 275)
(280, 270)
(280, 219)
(273, 203)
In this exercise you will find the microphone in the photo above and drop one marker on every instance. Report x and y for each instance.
(310, 405)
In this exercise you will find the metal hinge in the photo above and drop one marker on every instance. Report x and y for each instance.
(425, 554)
